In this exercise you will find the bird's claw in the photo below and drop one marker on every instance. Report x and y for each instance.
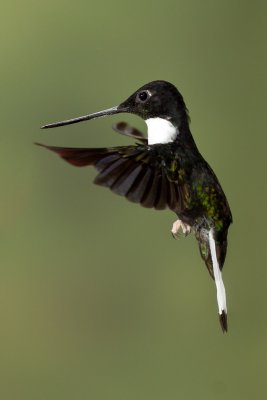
(175, 236)
(179, 225)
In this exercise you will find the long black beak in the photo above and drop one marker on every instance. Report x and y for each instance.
(108, 111)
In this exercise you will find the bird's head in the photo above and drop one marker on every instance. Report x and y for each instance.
(157, 99)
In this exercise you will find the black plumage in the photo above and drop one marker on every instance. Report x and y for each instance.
(170, 175)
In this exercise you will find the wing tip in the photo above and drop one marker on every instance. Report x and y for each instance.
(52, 148)
(39, 144)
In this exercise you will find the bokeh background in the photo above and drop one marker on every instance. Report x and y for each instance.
(97, 301)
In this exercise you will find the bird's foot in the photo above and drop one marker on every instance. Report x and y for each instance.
(177, 225)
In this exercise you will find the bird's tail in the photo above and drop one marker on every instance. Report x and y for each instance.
(213, 252)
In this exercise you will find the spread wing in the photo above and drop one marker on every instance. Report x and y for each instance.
(137, 172)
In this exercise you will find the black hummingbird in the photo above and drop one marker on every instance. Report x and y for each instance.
(163, 171)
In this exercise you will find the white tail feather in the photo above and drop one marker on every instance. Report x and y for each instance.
(221, 295)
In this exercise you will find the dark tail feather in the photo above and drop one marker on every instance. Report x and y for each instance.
(213, 246)
(223, 321)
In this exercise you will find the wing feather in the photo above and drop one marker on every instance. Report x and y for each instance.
(111, 173)
(151, 193)
(162, 202)
(125, 181)
(125, 129)
(136, 193)
(140, 173)
(173, 196)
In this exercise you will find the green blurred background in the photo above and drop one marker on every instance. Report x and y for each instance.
(96, 299)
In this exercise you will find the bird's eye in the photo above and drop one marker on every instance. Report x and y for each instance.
(142, 96)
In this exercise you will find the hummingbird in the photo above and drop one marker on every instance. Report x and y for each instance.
(163, 170)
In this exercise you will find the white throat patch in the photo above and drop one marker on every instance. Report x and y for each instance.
(159, 130)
